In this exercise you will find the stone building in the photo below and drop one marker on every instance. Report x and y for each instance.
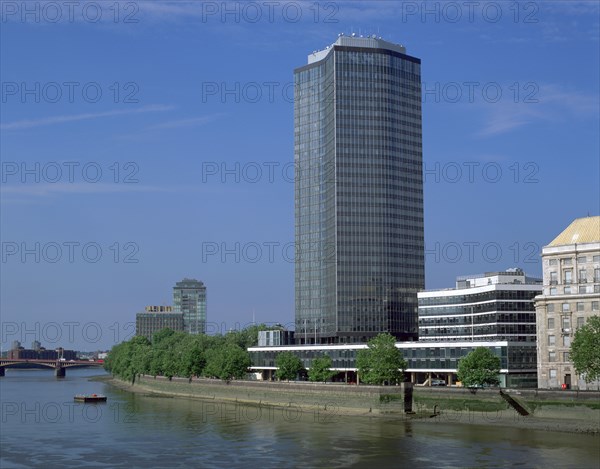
(571, 271)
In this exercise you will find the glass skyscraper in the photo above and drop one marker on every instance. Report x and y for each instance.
(189, 298)
(358, 193)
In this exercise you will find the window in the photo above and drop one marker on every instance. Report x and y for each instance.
(553, 291)
(580, 321)
(550, 323)
(568, 290)
(566, 356)
(596, 288)
(582, 289)
(566, 340)
(552, 262)
(595, 305)
(568, 276)
(567, 261)
(579, 306)
(581, 260)
(551, 356)
(596, 259)
(553, 374)
(565, 307)
(551, 340)
(596, 275)
(582, 276)
(553, 278)
(566, 322)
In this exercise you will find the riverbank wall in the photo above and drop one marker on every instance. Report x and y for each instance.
(539, 402)
(327, 398)
(565, 411)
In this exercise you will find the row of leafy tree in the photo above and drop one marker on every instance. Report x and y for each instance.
(180, 354)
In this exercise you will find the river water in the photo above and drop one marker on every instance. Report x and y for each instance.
(41, 427)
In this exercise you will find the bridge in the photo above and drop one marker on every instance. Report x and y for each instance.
(59, 366)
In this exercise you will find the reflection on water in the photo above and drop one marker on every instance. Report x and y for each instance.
(43, 427)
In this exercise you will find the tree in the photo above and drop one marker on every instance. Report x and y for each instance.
(227, 362)
(193, 356)
(382, 362)
(247, 337)
(140, 354)
(288, 365)
(320, 369)
(585, 350)
(129, 359)
(174, 353)
(168, 356)
(162, 335)
(479, 367)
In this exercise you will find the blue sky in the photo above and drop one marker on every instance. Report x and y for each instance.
(154, 141)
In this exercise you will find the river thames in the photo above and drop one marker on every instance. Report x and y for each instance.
(43, 428)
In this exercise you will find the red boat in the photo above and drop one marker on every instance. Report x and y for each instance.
(90, 398)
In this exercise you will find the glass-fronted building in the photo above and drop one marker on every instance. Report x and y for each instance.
(358, 193)
(189, 298)
(491, 306)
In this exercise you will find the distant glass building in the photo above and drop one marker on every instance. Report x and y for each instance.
(358, 193)
(189, 298)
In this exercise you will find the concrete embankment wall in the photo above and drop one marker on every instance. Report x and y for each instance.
(578, 405)
(335, 398)
(549, 410)
(343, 399)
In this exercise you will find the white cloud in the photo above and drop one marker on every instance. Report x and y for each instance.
(49, 189)
(54, 120)
(191, 122)
(554, 104)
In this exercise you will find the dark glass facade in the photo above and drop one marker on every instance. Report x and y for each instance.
(359, 194)
(189, 298)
